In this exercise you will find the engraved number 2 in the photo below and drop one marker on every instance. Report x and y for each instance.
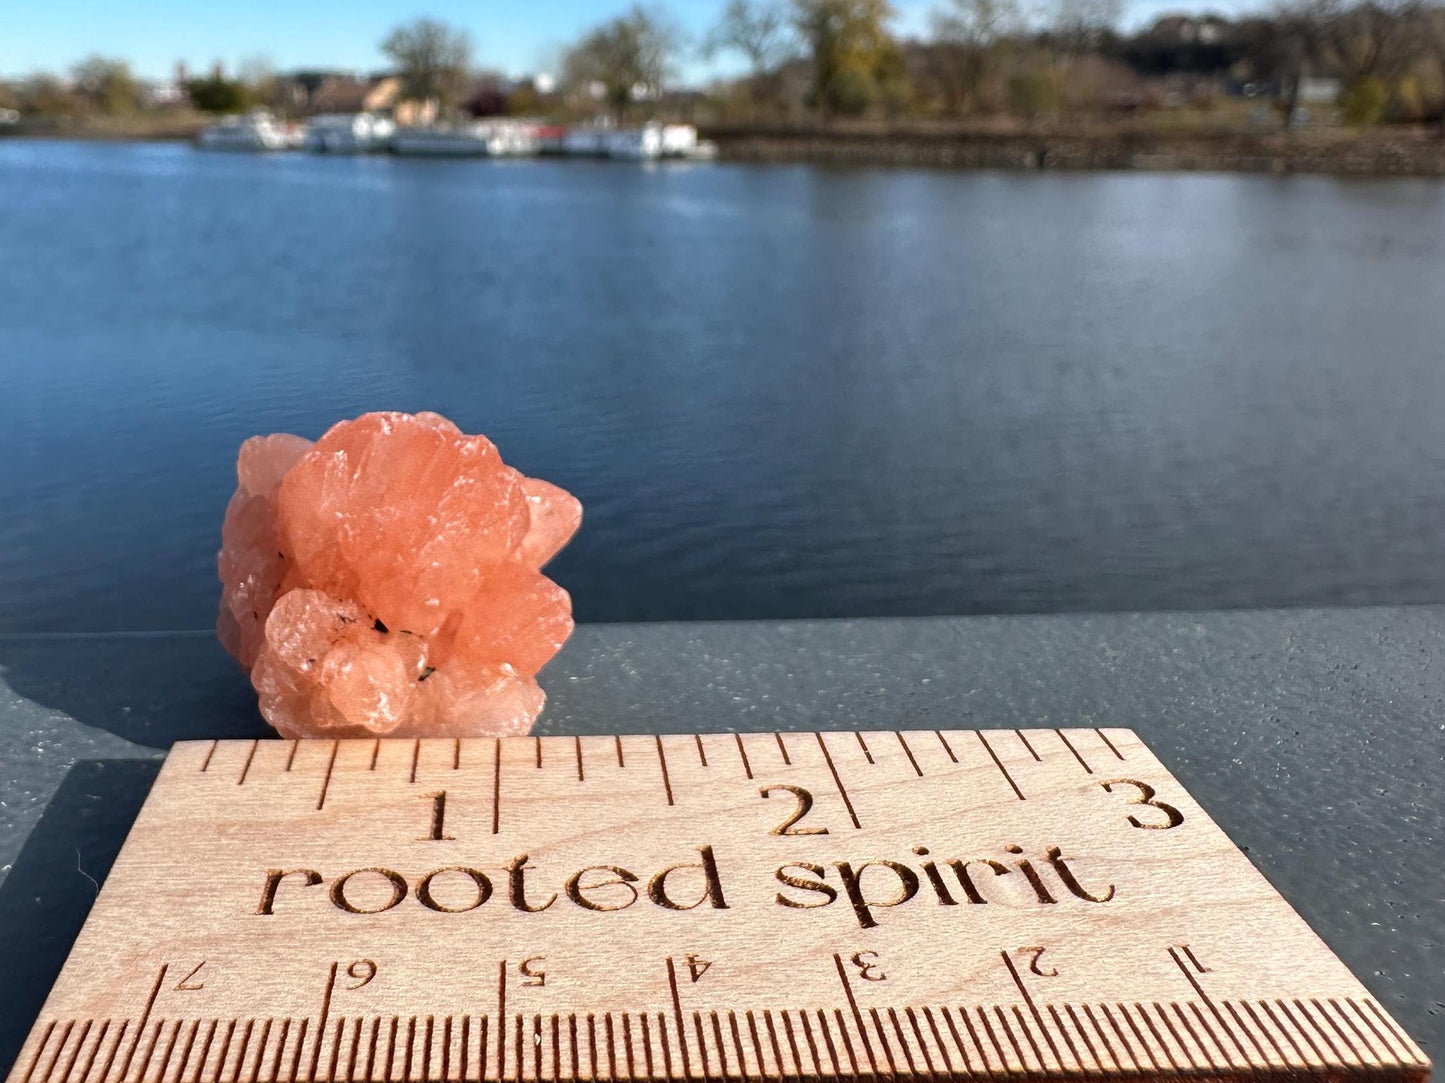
(805, 805)
(1146, 797)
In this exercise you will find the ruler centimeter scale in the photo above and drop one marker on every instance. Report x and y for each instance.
(723, 907)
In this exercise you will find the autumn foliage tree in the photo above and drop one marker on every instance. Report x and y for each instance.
(856, 62)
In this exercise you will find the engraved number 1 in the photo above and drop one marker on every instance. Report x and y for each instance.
(438, 818)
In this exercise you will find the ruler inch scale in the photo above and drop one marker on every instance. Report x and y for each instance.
(792, 907)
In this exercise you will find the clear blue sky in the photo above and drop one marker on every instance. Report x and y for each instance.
(513, 36)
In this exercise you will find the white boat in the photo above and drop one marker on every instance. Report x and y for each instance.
(585, 142)
(349, 133)
(480, 139)
(645, 143)
(257, 130)
(642, 144)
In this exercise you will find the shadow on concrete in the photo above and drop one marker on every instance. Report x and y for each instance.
(45, 898)
(152, 689)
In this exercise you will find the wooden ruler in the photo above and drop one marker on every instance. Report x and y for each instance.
(769, 907)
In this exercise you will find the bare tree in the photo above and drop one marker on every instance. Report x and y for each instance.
(435, 60)
(1081, 26)
(1376, 39)
(758, 29)
(1294, 43)
(965, 35)
(629, 56)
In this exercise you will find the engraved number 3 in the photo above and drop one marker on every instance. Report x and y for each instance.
(1146, 797)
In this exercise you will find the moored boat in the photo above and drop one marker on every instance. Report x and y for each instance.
(349, 133)
(479, 139)
(644, 143)
(257, 130)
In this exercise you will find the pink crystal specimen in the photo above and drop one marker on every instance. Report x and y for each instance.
(386, 580)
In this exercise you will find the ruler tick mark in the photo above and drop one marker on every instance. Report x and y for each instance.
(938, 1041)
(410, 1041)
(864, 746)
(792, 1041)
(1249, 1033)
(1070, 746)
(205, 1051)
(280, 1049)
(1033, 1008)
(300, 1045)
(145, 1016)
(415, 757)
(538, 742)
(456, 753)
(326, 782)
(908, 752)
(335, 1049)
(60, 1048)
(944, 742)
(773, 1041)
(857, 1014)
(375, 752)
(1027, 1033)
(502, 1020)
(206, 763)
(35, 1060)
(743, 754)
(170, 1048)
(1207, 1001)
(756, 1043)
(115, 1047)
(847, 802)
(677, 1012)
(496, 784)
(94, 1050)
(1105, 738)
(1381, 1055)
(999, 764)
(321, 1023)
(701, 752)
(958, 1041)
(617, 739)
(1025, 741)
(241, 1051)
(1084, 1034)
(662, 760)
(577, 744)
(246, 767)
(291, 757)
(787, 760)
(185, 1051)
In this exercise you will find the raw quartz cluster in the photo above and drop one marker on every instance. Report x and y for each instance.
(386, 580)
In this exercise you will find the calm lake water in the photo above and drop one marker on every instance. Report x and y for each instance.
(779, 392)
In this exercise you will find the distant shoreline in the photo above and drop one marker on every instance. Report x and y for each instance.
(1379, 152)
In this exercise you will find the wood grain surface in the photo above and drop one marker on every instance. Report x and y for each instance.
(721, 907)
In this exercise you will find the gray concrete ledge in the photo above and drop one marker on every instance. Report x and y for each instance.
(1316, 738)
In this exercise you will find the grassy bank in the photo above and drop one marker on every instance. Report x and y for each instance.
(179, 125)
(1372, 152)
